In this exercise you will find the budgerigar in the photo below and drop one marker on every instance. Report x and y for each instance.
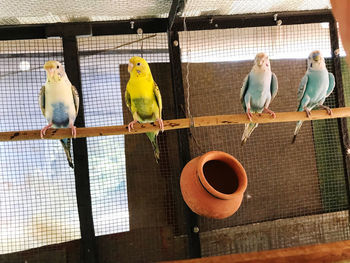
(259, 88)
(142, 96)
(316, 85)
(59, 103)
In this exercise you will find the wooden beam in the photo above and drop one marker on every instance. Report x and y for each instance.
(324, 253)
(203, 121)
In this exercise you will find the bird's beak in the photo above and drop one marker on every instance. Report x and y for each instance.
(130, 66)
(317, 57)
(260, 63)
(50, 68)
(50, 72)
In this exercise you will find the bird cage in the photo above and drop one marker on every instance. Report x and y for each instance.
(118, 204)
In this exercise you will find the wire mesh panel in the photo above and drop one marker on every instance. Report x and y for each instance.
(131, 194)
(285, 181)
(43, 12)
(234, 7)
(37, 189)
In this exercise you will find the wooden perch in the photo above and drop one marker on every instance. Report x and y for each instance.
(203, 121)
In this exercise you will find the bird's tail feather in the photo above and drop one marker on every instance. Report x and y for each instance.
(248, 129)
(296, 131)
(66, 143)
(152, 136)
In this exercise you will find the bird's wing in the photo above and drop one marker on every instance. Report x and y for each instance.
(127, 99)
(302, 87)
(273, 86)
(42, 100)
(76, 99)
(331, 84)
(244, 90)
(158, 98)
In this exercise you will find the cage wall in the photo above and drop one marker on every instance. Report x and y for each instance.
(296, 193)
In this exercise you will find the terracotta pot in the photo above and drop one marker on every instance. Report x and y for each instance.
(213, 184)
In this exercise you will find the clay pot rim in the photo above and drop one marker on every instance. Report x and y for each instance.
(229, 159)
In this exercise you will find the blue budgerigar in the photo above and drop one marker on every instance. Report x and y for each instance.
(259, 88)
(59, 103)
(316, 85)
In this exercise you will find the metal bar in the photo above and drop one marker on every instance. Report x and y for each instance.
(175, 124)
(184, 148)
(22, 32)
(153, 25)
(254, 20)
(176, 7)
(85, 53)
(339, 89)
(158, 25)
(81, 165)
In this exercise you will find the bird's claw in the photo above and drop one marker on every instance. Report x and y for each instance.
(329, 111)
(131, 125)
(161, 124)
(273, 114)
(250, 116)
(43, 130)
(74, 131)
(308, 112)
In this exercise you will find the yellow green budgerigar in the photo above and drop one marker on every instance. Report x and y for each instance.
(142, 96)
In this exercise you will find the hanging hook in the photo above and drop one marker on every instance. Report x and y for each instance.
(279, 21)
(140, 33)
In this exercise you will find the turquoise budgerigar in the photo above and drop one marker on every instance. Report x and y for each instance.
(316, 85)
(59, 103)
(259, 88)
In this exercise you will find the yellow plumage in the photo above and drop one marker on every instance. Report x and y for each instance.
(142, 96)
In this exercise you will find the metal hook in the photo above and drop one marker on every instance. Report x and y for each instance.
(140, 33)
(279, 21)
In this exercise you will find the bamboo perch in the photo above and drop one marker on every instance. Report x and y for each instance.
(203, 121)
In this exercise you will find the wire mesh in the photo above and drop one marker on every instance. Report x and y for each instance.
(131, 193)
(296, 194)
(234, 7)
(43, 12)
(285, 181)
(37, 187)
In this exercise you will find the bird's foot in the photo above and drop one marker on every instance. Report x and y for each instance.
(43, 130)
(131, 125)
(161, 124)
(266, 110)
(249, 115)
(308, 112)
(328, 109)
(74, 130)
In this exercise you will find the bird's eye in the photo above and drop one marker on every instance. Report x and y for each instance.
(58, 66)
(138, 64)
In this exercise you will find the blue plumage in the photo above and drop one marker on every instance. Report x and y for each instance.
(60, 117)
(316, 85)
(259, 88)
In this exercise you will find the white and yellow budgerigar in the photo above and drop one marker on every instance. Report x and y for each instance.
(59, 103)
(142, 96)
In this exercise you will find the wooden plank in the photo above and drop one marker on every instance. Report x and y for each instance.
(324, 253)
(203, 121)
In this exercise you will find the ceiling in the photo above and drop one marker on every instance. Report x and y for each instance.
(14, 12)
